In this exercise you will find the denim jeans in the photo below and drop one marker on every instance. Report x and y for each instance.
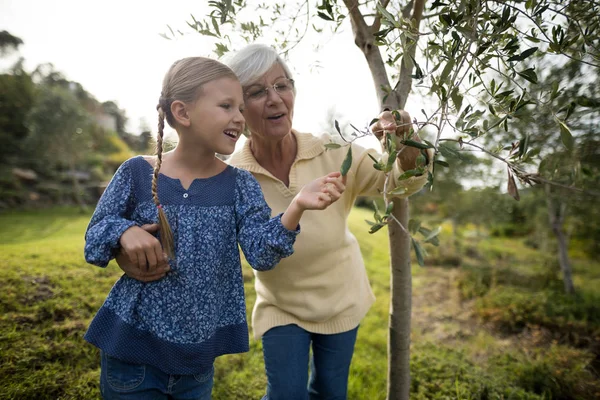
(286, 350)
(124, 380)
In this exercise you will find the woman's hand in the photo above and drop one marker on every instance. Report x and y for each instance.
(316, 195)
(386, 123)
(400, 130)
(141, 255)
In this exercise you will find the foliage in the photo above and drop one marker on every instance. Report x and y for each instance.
(16, 99)
(9, 42)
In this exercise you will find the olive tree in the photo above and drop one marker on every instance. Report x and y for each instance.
(472, 58)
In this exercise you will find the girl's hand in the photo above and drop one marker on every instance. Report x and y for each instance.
(321, 193)
(141, 251)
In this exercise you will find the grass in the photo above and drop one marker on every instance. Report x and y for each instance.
(48, 295)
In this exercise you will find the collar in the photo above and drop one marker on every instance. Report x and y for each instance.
(309, 147)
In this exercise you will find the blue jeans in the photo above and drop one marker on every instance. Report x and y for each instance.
(124, 380)
(286, 351)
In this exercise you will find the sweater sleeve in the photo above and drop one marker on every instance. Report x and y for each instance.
(109, 220)
(370, 182)
(264, 240)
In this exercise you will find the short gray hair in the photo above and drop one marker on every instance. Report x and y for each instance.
(253, 61)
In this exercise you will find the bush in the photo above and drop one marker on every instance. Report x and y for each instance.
(513, 308)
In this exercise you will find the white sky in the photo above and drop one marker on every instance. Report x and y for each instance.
(114, 50)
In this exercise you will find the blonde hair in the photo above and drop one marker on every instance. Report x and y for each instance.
(182, 82)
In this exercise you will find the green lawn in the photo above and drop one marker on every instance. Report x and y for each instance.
(496, 328)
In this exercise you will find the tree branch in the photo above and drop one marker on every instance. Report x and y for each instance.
(377, 21)
(405, 82)
(521, 174)
(364, 40)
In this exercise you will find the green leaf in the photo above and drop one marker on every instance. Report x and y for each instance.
(565, 134)
(448, 152)
(389, 208)
(523, 55)
(332, 146)
(337, 126)
(347, 162)
(419, 253)
(418, 145)
(457, 99)
(523, 145)
(324, 16)
(376, 213)
(584, 101)
(432, 234)
(442, 163)
(376, 227)
(414, 225)
(397, 191)
(410, 173)
(529, 74)
(216, 25)
(386, 14)
(447, 70)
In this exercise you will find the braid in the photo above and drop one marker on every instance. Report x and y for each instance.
(166, 234)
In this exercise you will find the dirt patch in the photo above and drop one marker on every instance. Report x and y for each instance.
(40, 289)
(437, 309)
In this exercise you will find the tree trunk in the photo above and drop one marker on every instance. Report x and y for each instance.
(556, 215)
(398, 384)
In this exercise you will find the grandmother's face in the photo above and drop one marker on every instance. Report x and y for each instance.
(269, 112)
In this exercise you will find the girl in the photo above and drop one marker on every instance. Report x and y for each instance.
(159, 340)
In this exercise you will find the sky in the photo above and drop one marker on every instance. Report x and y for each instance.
(114, 49)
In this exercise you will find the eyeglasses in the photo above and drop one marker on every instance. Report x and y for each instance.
(282, 86)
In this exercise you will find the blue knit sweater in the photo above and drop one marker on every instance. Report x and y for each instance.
(180, 323)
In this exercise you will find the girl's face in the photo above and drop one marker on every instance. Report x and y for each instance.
(216, 119)
(270, 105)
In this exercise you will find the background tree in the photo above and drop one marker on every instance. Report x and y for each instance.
(59, 131)
(16, 98)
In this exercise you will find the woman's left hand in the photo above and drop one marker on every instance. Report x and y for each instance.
(400, 130)
(322, 192)
(386, 123)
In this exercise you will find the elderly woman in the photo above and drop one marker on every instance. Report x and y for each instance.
(317, 297)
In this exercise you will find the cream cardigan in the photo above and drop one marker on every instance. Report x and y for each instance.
(323, 287)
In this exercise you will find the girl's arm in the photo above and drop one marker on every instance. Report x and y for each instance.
(109, 220)
(265, 240)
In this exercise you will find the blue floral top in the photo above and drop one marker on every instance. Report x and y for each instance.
(197, 312)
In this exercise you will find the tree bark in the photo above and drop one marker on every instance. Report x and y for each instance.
(556, 214)
(398, 383)
(398, 387)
